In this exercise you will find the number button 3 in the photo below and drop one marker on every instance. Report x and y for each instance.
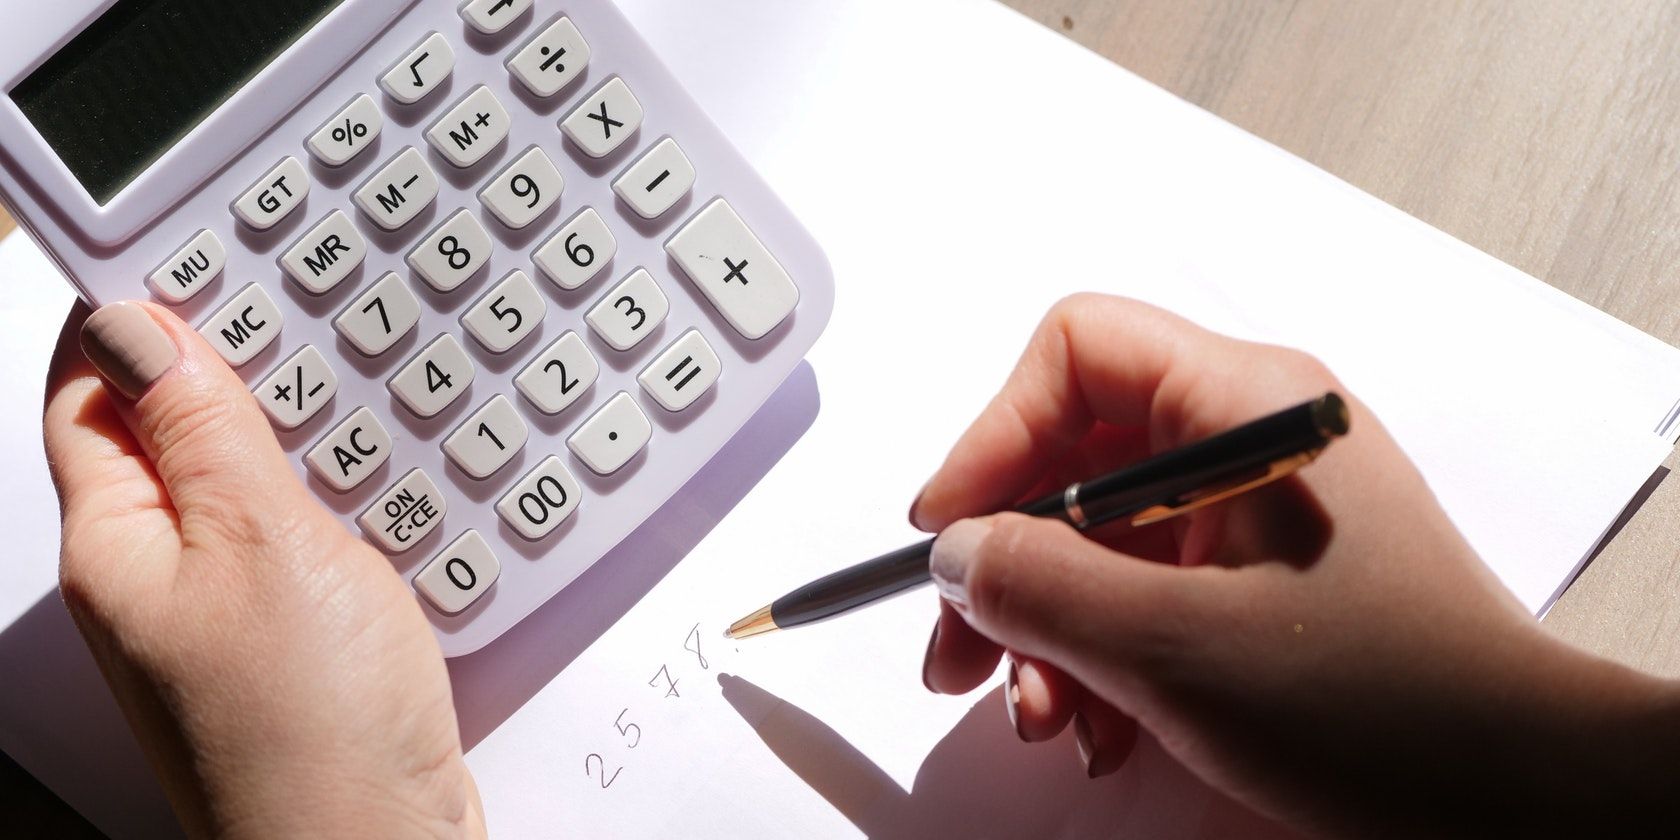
(632, 311)
(562, 373)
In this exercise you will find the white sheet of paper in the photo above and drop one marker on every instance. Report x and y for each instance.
(964, 168)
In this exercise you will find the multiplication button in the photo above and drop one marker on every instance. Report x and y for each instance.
(398, 191)
(404, 514)
(608, 440)
(605, 120)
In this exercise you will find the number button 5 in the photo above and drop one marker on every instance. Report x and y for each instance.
(561, 374)
(632, 311)
(575, 254)
(506, 314)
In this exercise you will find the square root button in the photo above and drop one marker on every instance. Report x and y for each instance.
(404, 514)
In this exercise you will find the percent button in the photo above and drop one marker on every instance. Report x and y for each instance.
(343, 137)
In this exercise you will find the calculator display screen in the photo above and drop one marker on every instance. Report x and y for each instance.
(141, 76)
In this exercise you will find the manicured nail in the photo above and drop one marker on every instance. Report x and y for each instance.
(1087, 745)
(127, 347)
(927, 659)
(1012, 698)
(953, 551)
(916, 505)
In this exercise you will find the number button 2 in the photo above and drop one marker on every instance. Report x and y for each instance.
(630, 312)
(541, 500)
(578, 252)
(559, 375)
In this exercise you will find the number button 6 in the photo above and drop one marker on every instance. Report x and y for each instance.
(578, 251)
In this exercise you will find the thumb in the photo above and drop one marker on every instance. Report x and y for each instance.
(203, 432)
(1038, 587)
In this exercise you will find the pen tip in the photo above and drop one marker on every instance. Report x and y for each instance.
(759, 622)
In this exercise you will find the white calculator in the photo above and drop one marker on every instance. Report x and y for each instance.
(498, 282)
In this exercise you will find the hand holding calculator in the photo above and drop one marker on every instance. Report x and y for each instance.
(497, 282)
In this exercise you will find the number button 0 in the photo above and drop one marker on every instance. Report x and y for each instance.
(541, 500)
(524, 190)
(434, 378)
(380, 316)
(578, 252)
(506, 314)
(562, 373)
(452, 253)
(630, 312)
(459, 575)
(488, 440)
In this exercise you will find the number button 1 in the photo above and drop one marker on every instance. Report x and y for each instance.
(488, 440)
(380, 316)
(459, 575)
(541, 500)
(506, 314)
(434, 378)
(574, 255)
(630, 312)
(524, 190)
(562, 373)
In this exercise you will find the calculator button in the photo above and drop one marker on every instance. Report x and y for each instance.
(733, 269)
(298, 389)
(324, 256)
(488, 440)
(541, 500)
(563, 372)
(399, 191)
(575, 254)
(681, 374)
(351, 452)
(434, 378)
(380, 316)
(468, 131)
(348, 133)
(404, 514)
(524, 190)
(608, 440)
(506, 314)
(492, 16)
(421, 71)
(630, 312)
(552, 60)
(244, 326)
(452, 253)
(190, 269)
(273, 196)
(605, 120)
(657, 181)
(459, 575)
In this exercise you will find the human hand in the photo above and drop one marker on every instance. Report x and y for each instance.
(1327, 649)
(278, 672)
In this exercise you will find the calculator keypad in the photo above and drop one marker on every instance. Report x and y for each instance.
(399, 191)
(190, 269)
(420, 71)
(552, 60)
(324, 256)
(471, 129)
(536, 373)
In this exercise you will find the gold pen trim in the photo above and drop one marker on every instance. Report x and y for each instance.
(758, 623)
(1211, 495)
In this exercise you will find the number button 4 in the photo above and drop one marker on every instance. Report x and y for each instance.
(574, 255)
(380, 316)
(459, 575)
(452, 253)
(555, 379)
(488, 440)
(630, 312)
(506, 314)
(434, 378)
(524, 190)
(541, 500)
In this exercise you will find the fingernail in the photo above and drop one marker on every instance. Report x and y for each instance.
(927, 659)
(952, 553)
(127, 347)
(1087, 745)
(1012, 698)
(916, 506)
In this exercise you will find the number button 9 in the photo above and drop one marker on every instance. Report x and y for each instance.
(633, 310)
(578, 251)
(524, 190)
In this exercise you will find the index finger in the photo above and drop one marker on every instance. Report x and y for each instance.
(1093, 358)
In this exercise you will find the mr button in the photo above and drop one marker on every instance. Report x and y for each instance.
(405, 514)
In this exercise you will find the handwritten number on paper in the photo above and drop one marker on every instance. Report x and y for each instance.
(671, 685)
(624, 728)
(606, 781)
(694, 639)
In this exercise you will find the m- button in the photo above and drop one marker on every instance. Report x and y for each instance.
(398, 192)
(405, 514)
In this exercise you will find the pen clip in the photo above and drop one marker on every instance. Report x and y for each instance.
(1198, 499)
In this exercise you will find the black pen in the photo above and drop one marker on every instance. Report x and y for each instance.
(1156, 488)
